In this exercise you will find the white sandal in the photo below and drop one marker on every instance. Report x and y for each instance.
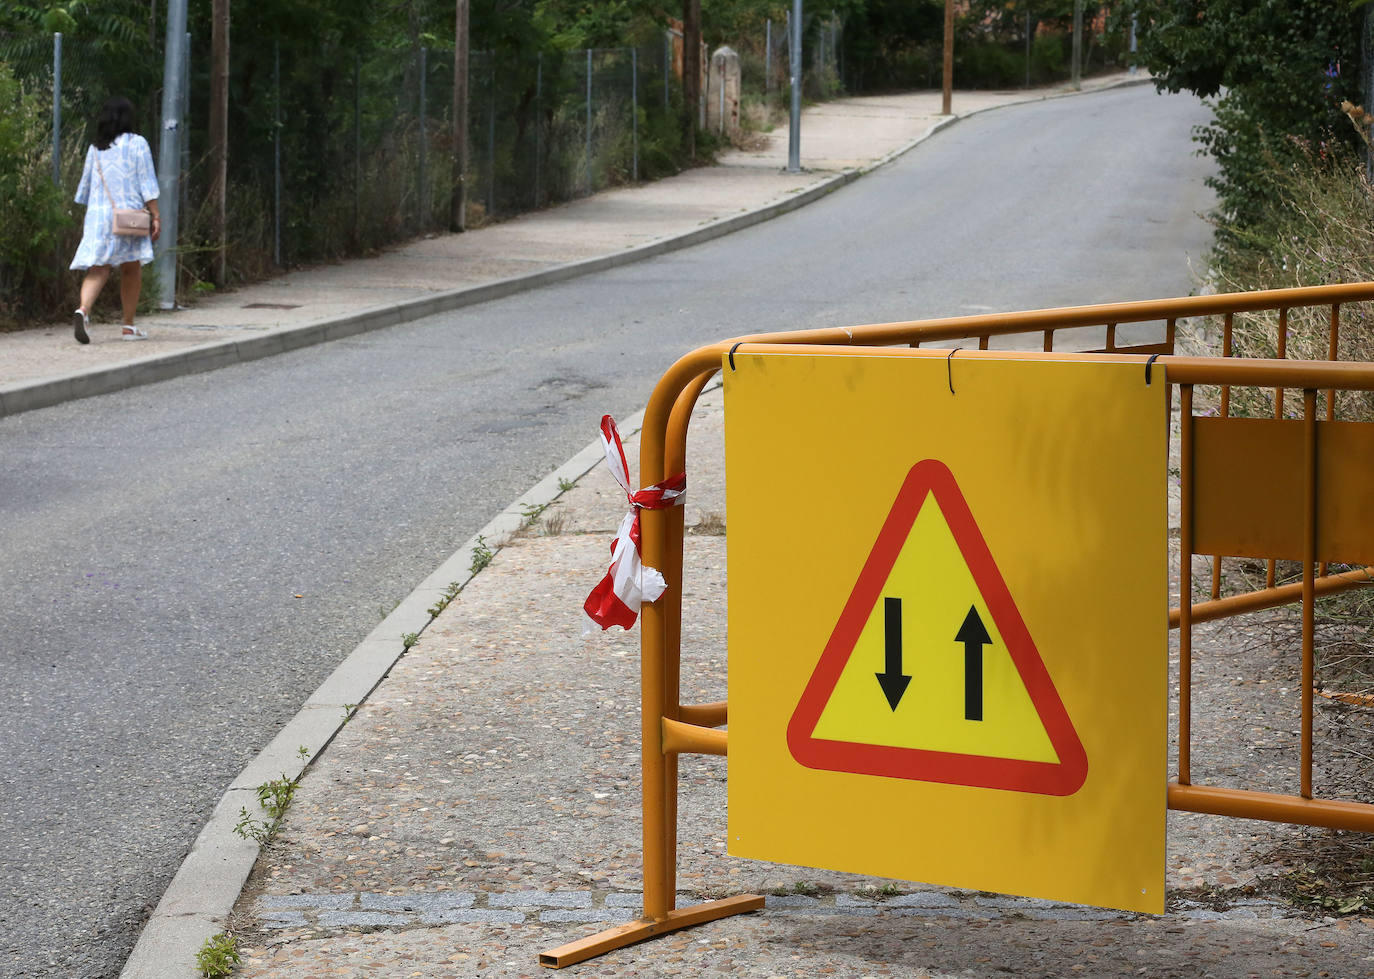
(82, 322)
(134, 333)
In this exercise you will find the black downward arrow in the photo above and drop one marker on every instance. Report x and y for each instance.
(974, 635)
(892, 679)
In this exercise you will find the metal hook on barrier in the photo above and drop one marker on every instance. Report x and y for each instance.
(1148, 364)
(732, 354)
(949, 370)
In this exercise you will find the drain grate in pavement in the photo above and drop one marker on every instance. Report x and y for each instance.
(273, 306)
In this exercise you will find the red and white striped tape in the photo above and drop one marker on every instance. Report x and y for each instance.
(628, 584)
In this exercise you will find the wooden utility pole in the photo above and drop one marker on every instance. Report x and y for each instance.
(219, 134)
(947, 88)
(458, 209)
(691, 73)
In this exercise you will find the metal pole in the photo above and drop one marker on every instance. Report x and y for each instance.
(186, 114)
(794, 44)
(634, 109)
(837, 50)
(704, 65)
(458, 202)
(947, 83)
(820, 61)
(706, 91)
(169, 153)
(57, 109)
(423, 195)
(491, 134)
(1028, 46)
(538, 126)
(720, 83)
(357, 142)
(768, 55)
(1077, 44)
(589, 120)
(276, 151)
(667, 69)
(1135, 22)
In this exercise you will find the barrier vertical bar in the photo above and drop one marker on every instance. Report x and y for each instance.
(1185, 585)
(1333, 353)
(675, 461)
(1227, 333)
(652, 689)
(1309, 560)
(1282, 354)
(1227, 343)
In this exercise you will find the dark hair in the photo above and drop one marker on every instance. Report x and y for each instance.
(116, 118)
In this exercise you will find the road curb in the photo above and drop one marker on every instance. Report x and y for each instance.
(202, 894)
(18, 398)
(197, 903)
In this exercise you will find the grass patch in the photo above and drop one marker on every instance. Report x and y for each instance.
(710, 525)
(274, 799)
(218, 957)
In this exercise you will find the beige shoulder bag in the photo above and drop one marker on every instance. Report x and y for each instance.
(128, 224)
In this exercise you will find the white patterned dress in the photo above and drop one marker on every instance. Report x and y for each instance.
(128, 169)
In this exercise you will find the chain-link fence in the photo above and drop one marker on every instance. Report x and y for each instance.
(334, 152)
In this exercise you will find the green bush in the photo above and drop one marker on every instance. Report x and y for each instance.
(1278, 71)
(33, 208)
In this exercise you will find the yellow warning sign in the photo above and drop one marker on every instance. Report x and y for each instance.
(985, 712)
(949, 631)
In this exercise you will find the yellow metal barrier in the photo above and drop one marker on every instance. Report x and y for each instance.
(1312, 506)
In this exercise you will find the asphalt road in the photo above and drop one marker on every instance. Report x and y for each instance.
(182, 564)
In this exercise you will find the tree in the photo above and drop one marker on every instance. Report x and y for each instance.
(1277, 70)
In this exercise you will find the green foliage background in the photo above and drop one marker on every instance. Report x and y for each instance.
(1276, 72)
(347, 107)
(32, 206)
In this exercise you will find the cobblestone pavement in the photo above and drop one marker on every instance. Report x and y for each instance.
(483, 806)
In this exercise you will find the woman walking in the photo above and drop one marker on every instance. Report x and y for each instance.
(118, 174)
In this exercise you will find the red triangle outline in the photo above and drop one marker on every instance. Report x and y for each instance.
(1061, 778)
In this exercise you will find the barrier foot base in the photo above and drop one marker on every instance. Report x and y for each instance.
(638, 931)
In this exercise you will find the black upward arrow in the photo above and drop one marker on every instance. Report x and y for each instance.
(892, 679)
(974, 635)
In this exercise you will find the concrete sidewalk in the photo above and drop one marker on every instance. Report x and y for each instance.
(469, 797)
(840, 140)
(482, 806)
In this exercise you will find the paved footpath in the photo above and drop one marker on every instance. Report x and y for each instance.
(469, 798)
(483, 805)
(841, 139)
